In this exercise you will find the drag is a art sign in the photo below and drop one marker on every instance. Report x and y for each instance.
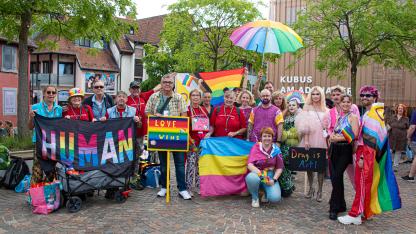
(85, 145)
(301, 159)
(168, 133)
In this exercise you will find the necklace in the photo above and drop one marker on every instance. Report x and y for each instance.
(227, 117)
(77, 117)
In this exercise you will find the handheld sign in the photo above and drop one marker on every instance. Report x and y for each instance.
(301, 159)
(168, 133)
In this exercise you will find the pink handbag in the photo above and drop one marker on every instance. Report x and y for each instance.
(45, 198)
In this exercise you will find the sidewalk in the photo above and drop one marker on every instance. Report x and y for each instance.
(143, 212)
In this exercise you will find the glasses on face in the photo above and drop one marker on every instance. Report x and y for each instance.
(367, 95)
(167, 82)
(98, 87)
(50, 92)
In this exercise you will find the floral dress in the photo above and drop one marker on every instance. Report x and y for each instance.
(289, 139)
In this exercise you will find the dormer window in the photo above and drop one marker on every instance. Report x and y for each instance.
(131, 31)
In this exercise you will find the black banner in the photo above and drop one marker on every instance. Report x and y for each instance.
(301, 159)
(109, 146)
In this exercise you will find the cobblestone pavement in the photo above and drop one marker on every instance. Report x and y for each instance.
(143, 212)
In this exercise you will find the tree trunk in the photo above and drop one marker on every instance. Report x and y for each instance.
(23, 84)
(354, 83)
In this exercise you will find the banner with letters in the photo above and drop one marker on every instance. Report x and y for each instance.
(107, 146)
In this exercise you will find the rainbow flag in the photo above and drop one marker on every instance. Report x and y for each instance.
(385, 194)
(348, 133)
(223, 166)
(219, 80)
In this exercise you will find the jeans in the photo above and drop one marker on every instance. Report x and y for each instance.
(179, 159)
(253, 182)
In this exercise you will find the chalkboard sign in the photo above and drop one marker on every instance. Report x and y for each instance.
(301, 159)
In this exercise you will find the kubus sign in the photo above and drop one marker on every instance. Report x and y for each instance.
(301, 83)
(168, 133)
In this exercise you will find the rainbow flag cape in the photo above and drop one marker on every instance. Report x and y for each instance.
(223, 166)
(219, 80)
(385, 194)
(184, 84)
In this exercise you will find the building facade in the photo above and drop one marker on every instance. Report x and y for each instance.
(396, 85)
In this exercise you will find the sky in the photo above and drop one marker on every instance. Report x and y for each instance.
(149, 8)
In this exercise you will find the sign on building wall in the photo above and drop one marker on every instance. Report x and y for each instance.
(9, 101)
(109, 80)
(301, 83)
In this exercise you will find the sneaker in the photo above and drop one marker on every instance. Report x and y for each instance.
(264, 198)
(191, 193)
(185, 195)
(408, 178)
(162, 192)
(347, 219)
(255, 203)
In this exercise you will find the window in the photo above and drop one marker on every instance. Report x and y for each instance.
(8, 58)
(131, 31)
(46, 67)
(66, 69)
(9, 101)
(138, 68)
(34, 67)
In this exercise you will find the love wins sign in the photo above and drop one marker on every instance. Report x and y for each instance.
(301, 159)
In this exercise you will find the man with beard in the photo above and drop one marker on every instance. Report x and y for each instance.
(265, 115)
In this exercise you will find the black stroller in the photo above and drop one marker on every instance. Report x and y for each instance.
(76, 187)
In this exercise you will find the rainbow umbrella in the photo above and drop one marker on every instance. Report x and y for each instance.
(265, 36)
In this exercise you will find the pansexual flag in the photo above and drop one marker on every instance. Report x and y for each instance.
(223, 166)
(219, 80)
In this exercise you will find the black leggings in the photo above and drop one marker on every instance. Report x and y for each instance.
(340, 157)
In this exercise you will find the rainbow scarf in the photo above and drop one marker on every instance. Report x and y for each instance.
(219, 80)
(385, 194)
(223, 166)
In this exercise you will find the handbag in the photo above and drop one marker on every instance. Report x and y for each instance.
(45, 198)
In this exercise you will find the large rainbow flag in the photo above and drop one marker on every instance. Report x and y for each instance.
(385, 194)
(219, 80)
(223, 166)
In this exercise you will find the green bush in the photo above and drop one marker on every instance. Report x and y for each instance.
(149, 84)
(16, 143)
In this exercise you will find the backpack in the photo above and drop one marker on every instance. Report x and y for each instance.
(15, 173)
(151, 176)
(4, 157)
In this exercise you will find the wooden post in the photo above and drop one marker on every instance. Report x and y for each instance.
(168, 177)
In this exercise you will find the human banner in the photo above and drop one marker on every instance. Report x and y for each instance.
(301, 159)
(168, 133)
(108, 146)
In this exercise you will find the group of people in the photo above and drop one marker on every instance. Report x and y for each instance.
(273, 121)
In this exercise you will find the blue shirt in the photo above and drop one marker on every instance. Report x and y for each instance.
(42, 109)
(413, 122)
(98, 108)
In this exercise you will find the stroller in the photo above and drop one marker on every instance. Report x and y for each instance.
(77, 187)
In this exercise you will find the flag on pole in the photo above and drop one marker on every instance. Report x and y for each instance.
(219, 80)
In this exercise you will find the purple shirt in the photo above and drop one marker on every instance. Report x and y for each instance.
(413, 122)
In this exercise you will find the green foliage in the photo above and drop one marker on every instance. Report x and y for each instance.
(195, 37)
(17, 143)
(352, 33)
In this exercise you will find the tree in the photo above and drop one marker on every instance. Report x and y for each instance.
(72, 19)
(352, 33)
(196, 34)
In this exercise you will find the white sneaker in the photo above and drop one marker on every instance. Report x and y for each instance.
(185, 195)
(162, 192)
(347, 219)
(264, 198)
(255, 203)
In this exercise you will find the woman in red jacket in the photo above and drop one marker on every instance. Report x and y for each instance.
(75, 110)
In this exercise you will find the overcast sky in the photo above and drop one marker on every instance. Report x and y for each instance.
(148, 8)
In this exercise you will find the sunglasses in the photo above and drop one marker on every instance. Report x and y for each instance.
(167, 82)
(50, 92)
(367, 95)
(98, 87)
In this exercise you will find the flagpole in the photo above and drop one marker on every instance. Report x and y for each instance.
(168, 177)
